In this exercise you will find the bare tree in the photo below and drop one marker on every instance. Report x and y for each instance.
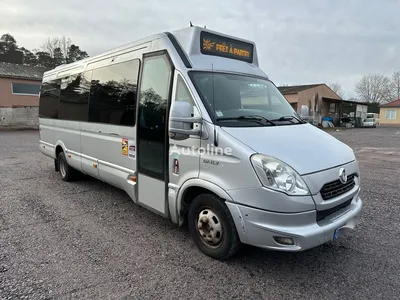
(395, 85)
(337, 88)
(314, 103)
(50, 45)
(315, 106)
(318, 103)
(65, 44)
(55, 45)
(374, 88)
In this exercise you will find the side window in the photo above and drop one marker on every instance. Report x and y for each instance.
(154, 94)
(49, 96)
(113, 94)
(25, 89)
(74, 97)
(182, 92)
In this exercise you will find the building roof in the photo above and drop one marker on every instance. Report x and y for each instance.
(356, 102)
(395, 103)
(294, 89)
(21, 71)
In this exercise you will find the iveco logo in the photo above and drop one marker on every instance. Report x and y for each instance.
(342, 175)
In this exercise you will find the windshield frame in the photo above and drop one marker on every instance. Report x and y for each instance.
(241, 124)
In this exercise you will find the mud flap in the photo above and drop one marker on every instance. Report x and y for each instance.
(56, 165)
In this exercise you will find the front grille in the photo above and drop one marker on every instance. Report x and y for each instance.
(336, 188)
(322, 214)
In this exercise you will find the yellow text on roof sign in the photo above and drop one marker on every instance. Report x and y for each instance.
(208, 45)
(236, 51)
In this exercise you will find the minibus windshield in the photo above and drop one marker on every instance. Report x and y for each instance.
(239, 100)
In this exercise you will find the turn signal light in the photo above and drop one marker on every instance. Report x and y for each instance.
(132, 178)
(94, 165)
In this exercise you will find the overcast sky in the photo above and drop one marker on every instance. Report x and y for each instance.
(298, 42)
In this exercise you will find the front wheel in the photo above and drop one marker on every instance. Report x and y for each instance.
(212, 227)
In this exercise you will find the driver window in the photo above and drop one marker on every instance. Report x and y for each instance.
(182, 92)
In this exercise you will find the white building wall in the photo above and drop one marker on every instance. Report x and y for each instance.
(19, 117)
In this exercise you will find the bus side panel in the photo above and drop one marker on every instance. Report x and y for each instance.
(67, 135)
(46, 138)
(114, 148)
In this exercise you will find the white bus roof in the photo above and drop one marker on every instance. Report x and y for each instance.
(201, 48)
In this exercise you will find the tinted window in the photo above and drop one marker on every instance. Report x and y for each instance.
(113, 94)
(49, 96)
(74, 97)
(26, 89)
(154, 94)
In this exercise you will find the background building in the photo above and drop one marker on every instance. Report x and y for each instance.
(320, 99)
(325, 104)
(19, 95)
(389, 113)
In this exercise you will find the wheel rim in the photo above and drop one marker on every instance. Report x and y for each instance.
(209, 227)
(62, 167)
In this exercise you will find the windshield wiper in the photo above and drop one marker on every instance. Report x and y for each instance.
(288, 118)
(259, 119)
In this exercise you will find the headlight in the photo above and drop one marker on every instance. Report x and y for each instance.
(277, 175)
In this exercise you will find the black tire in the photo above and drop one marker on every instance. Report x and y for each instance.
(67, 173)
(229, 243)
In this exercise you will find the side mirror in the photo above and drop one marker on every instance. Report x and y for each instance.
(305, 112)
(181, 120)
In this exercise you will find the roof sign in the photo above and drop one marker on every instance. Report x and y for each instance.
(212, 44)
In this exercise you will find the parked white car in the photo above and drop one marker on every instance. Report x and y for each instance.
(369, 122)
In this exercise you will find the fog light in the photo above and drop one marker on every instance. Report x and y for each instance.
(284, 240)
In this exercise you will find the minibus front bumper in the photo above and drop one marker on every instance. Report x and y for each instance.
(292, 231)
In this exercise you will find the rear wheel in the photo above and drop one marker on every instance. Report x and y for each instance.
(212, 227)
(67, 173)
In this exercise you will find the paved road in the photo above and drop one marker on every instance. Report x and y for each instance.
(87, 240)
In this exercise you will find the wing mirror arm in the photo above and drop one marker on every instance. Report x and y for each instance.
(189, 120)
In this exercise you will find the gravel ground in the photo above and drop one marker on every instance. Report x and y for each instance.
(87, 240)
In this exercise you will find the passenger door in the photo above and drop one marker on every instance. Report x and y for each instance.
(152, 132)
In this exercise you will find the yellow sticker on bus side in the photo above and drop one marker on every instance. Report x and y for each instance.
(125, 146)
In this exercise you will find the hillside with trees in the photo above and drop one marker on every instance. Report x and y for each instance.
(53, 52)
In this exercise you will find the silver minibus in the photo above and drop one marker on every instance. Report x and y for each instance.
(190, 127)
